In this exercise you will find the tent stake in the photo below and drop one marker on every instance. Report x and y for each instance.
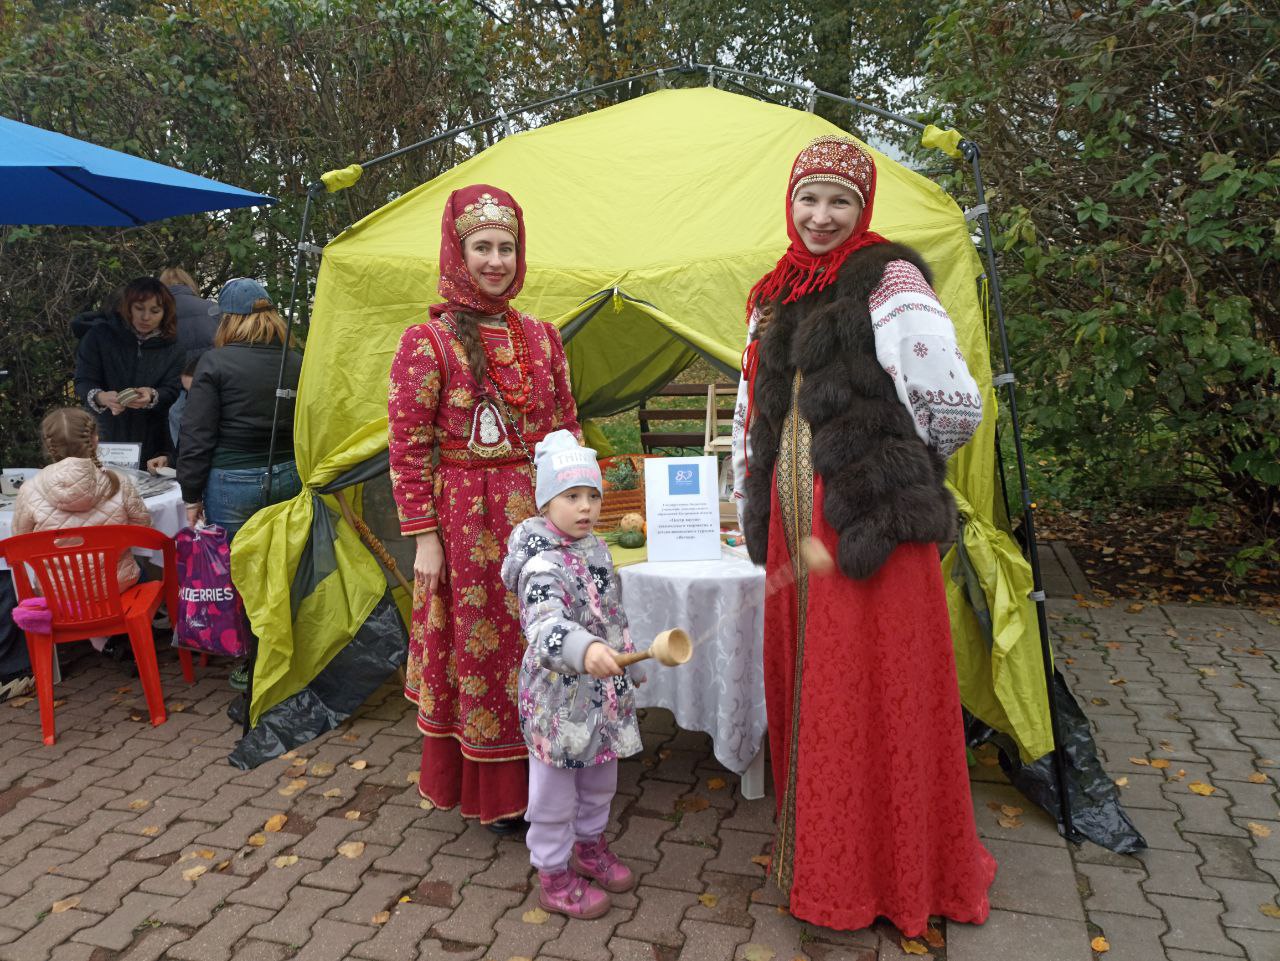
(1006, 378)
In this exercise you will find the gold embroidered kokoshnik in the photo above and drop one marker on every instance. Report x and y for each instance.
(794, 479)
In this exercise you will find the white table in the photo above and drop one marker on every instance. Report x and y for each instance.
(168, 515)
(720, 691)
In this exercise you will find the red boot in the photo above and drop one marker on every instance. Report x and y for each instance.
(565, 892)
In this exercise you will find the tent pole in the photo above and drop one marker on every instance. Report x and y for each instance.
(1006, 378)
(299, 258)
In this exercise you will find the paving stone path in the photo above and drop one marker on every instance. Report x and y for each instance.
(124, 841)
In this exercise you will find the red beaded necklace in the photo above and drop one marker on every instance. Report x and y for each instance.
(510, 367)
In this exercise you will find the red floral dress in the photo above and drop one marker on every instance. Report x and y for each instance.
(465, 643)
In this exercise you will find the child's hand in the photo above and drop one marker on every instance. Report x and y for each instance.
(599, 661)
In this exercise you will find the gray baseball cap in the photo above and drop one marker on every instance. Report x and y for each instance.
(239, 295)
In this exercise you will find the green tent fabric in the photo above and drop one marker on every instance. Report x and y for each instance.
(647, 224)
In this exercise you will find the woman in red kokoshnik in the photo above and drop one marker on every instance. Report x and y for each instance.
(479, 384)
(854, 394)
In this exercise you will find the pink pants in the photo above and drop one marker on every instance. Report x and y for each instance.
(566, 804)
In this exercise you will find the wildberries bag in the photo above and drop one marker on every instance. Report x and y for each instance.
(211, 616)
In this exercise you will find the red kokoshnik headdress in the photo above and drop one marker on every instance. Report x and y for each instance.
(828, 159)
(467, 210)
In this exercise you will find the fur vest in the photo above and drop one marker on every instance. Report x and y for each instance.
(882, 485)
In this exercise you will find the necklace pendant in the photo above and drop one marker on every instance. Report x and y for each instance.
(489, 432)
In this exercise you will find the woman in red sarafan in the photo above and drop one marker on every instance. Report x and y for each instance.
(472, 391)
(854, 394)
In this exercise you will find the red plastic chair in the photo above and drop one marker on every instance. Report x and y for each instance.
(76, 569)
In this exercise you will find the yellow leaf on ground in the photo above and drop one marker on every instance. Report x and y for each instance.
(321, 769)
(1257, 777)
(150, 831)
(426, 805)
(352, 815)
(763, 860)
(257, 840)
(1140, 761)
(1259, 830)
(411, 777)
(137, 804)
(291, 754)
(332, 792)
(715, 784)
(204, 853)
(535, 916)
(177, 708)
(912, 947)
(190, 874)
(275, 823)
(1135, 608)
(1122, 782)
(360, 765)
(1117, 681)
(1011, 823)
(1199, 787)
(1270, 910)
(223, 865)
(1160, 763)
(1208, 671)
(1100, 945)
(406, 900)
(757, 952)
(382, 917)
(64, 905)
(292, 788)
(285, 860)
(1009, 811)
(934, 937)
(709, 900)
(352, 849)
(20, 701)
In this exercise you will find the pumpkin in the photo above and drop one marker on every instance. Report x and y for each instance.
(631, 538)
(632, 522)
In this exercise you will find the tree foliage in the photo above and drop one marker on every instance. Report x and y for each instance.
(1133, 150)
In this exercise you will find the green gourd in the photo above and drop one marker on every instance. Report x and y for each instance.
(631, 539)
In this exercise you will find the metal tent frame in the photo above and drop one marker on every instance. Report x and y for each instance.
(967, 150)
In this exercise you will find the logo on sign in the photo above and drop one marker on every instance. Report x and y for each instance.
(683, 479)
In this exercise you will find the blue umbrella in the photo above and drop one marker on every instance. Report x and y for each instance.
(49, 178)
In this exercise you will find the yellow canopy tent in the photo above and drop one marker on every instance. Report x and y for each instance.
(647, 223)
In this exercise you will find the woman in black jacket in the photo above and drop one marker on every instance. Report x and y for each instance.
(136, 348)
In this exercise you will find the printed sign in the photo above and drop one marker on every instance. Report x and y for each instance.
(121, 455)
(682, 510)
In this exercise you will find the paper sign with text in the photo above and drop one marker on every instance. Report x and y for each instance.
(120, 455)
(682, 509)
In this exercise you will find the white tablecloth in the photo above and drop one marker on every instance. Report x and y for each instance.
(721, 689)
(167, 515)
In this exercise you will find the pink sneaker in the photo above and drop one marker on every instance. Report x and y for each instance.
(594, 860)
(564, 892)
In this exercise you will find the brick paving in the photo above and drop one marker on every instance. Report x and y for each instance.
(132, 842)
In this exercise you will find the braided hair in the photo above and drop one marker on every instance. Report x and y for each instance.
(73, 432)
(468, 328)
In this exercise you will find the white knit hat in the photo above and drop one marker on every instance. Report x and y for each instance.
(563, 463)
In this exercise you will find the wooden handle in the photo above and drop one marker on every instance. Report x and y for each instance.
(622, 660)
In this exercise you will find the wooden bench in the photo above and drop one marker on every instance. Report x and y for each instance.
(654, 441)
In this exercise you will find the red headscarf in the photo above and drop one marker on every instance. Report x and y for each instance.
(828, 159)
(467, 210)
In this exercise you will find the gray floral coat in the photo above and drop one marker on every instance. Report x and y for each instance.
(569, 598)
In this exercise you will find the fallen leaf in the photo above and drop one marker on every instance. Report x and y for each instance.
(352, 849)
(150, 831)
(426, 805)
(1257, 777)
(1259, 830)
(223, 865)
(1270, 910)
(535, 916)
(60, 702)
(1122, 782)
(715, 784)
(1113, 645)
(1182, 772)
(135, 716)
(1139, 760)
(1266, 762)
(177, 708)
(757, 952)
(1134, 608)
(709, 900)
(257, 840)
(1099, 701)
(321, 769)
(1011, 823)
(332, 792)
(934, 937)
(190, 874)
(1117, 681)
(1199, 787)
(1166, 745)
(763, 860)
(693, 804)
(65, 905)
(351, 737)
(411, 777)
(360, 765)
(1208, 671)
(1160, 763)
(664, 753)
(123, 690)
(137, 804)
(912, 947)
(352, 815)
(289, 755)
(382, 917)
(275, 823)
(1100, 945)
(405, 900)
(1009, 811)
(285, 860)
(203, 853)
(292, 788)
(20, 701)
